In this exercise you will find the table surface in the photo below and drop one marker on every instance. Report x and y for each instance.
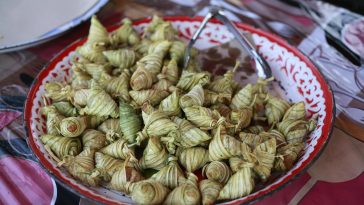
(335, 178)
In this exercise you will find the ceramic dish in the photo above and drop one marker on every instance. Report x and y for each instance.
(299, 80)
(53, 19)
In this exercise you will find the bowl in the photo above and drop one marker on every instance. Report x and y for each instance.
(299, 80)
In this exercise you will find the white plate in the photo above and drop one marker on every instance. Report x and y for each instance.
(26, 23)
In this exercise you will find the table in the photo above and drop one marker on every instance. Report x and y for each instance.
(335, 178)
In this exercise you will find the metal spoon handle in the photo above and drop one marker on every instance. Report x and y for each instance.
(194, 38)
(260, 63)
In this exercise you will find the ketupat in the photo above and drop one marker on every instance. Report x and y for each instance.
(143, 47)
(54, 119)
(147, 110)
(240, 184)
(177, 51)
(148, 192)
(118, 149)
(241, 118)
(192, 158)
(195, 97)
(156, 20)
(185, 194)
(141, 78)
(210, 190)
(287, 155)
(93, 121)
(96, 42)
(79, 98)
(243, 98)
(121, 58)
(73, 126)
(157, 124)
(171, 175)
(250, 139)
(159, 48)
(273, 133)
(81, 166)
(106, 166)
(203, 117)
(97, 33)
(265, 154)
(255, 129)
(214, 98)
(111, 128)
(152, 63)
(222, 109)
(295, 112)
(275, 109)
(170, 104)
(150, 95)
(130, 122)
(116, 86)
(80, 79)
(187, 134)
(164, 31)
(293, 130)
(170, 72)
(100, 103)
(66, 108)
(224, 84)
(162, 84)
(154, 156)
(93, 139)
(96, 70)
(58, 91)
(170, 143)
(223, 146)
(123, 178)
(62, 146)
(237, 163)
(125, 34)
(189, 79)
(217, 171)
(92, 53)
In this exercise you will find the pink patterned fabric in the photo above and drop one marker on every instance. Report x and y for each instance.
(336, 193)
(6, 117)
(19, 182)
(285, 195)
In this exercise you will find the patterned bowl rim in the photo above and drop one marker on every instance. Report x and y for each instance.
(321, 144)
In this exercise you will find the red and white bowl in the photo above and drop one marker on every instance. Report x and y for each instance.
(298, 77)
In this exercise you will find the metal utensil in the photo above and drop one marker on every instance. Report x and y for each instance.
(278, 27)
(261, 65)
(315, 15)
(289, 31)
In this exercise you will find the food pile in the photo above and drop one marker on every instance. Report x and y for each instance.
(132, 120)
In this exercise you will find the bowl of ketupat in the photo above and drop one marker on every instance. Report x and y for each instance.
(116, 119)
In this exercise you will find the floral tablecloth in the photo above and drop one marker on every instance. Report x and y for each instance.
(335, 178)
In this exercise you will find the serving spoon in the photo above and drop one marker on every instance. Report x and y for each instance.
(257, 61)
